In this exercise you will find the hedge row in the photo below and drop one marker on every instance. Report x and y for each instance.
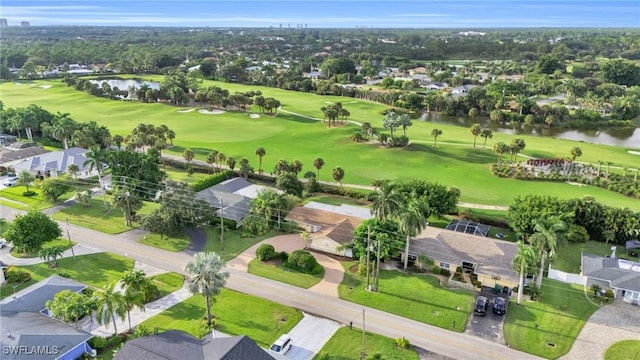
(211, 180)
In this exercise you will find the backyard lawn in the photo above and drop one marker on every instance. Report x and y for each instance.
(455, 162)
(280, 273)
(167, 282)
(181, 175)
(168, 243)
(569, 255)
(417, 297)
(96, 270)
(12, 197)
(234, 314)
(94, 217)
(346, 344)
(549, 327)
(234, 242)
(335, 200)
(64, 243)
(626, 349)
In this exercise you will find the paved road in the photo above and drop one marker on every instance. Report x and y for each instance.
(452, 344)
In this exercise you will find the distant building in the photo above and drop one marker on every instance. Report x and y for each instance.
(25, 24)
(3, 23)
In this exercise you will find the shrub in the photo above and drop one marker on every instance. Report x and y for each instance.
(29, 193)
(303, 261)
(283, 255)
(399, 141)
(98, 342)
(445, 272)
(577, 233)
(608, 294)
(115, 340)
(403, 343)
(64, 274)
(437, 270)
(266, 252)
(533, 291)
(211, 180)
(16, 275)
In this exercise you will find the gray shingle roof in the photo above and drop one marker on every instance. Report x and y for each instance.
(619, 273)
(56, 160)
(33, 298)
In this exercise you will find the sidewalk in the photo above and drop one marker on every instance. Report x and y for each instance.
(137, 316)
(78, 249)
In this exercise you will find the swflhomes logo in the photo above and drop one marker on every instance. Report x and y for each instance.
(30, 350)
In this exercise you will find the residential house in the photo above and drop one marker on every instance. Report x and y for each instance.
(27, 330)
(232, 198)
(462, 90)
(418, 70)
(621, 276)
(175, 344)
(6, 139)
(511, 78)
(434, 85)
(56, 163)
(17, 152)
(490, 259)
(330, 227)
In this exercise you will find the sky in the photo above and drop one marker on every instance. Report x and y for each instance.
(474, 14)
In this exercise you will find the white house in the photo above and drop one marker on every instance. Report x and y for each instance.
(56, 163)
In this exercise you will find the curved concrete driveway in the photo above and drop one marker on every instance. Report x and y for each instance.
(608, 325)
(333, 271)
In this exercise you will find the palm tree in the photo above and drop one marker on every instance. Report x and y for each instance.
(188, 155)
(110, 303)
(95, 160)
(25, 178)
(50, 254)
(412, 222)
(220, 159)
(260, 152)
(524, 259)
(500, 148)
(575, 152)
(338, 175)
(231, 163)
(318, 163)
(136, 287)
(171, 135)
(296, 166)
(386, 202)
(207, 277)
(212, 158)
(435, 133)
(63, 127)
(475, 131)
(548, 236)
(486, 134)
(606, 175)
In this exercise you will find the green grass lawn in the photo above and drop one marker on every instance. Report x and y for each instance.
(13, 198)
(181, 175)
(94, 216)
(234, 242)
(557, 318)
(235, 314)
(569, 255)
(454, 162)
(167, 282)
(418, 297)
(64, 243)
(335, 200)
(626, 349)
(168, 243)
(346, 344)
(283, 274)
(96, 270)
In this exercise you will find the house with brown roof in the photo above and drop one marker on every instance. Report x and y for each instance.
(490, 259)
(328, 230)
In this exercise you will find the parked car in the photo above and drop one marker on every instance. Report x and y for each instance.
(282, 345)
(3, 243)
(11, 181)
(500, 306)
(481, 306)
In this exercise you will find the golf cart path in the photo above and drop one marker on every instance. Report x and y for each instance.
(333, 270)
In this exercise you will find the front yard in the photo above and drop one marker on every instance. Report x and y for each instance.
(12, 197)
(234, 314)
(346, 344)
(549, 327)
(168, 243)
(275, 271)
(417, 297)
(234, 242)
(64, 243)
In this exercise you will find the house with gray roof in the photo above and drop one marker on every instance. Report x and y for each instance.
(178, 345)
(490, 259)
(56, 163)
(621, 276)
(27, 330)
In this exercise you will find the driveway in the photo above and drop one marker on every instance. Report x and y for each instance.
(490, 326)
(309, 336)
(608, 325)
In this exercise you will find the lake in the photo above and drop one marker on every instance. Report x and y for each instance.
(626, 137)
(126, 84)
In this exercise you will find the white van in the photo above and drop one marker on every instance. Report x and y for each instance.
(282, 345)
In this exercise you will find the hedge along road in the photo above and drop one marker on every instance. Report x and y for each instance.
(452, 344)
(288, 136)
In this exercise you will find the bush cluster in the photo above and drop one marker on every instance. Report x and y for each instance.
(211, 180)
(266, 252)
(16, 275)
(303, 261)
(403, 343)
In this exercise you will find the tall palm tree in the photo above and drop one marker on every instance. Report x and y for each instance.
(475, 131)
(435, 133)
(548, 236)
(25, 178)
(412, 222)
(525, 258)
(318, 163)
(260, 152)
(207, 277)
(110, 303)
(212, 158)
(136, 286)
(500, 148)
(188, 155)
(231, 163)
(575, 152)
(486, 134)
(96, 158)
(386, 202)
(220, 159)
(338, 175)
(296, 166)
(63, 128)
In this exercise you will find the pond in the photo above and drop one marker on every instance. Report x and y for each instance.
(127, 84)
(626, 137)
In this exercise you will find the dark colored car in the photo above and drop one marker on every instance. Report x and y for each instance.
(500, 306)
(481, 306)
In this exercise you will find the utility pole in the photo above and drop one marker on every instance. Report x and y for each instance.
(368, 252)
(73, 253)
(378, 267)
(363, 353)
(221, 226)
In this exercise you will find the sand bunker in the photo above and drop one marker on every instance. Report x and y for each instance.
(22, 84)
(211, 112)
(186, 110)
(45, 86)
(633, 152)
(576, 184)
(254, 116)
